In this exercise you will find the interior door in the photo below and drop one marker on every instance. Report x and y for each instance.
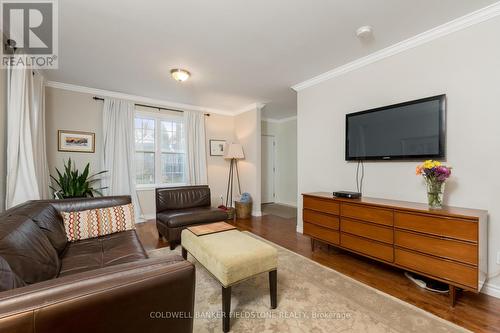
(268, 168)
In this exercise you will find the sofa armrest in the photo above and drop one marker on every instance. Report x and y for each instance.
(79, 204)
(151, 295)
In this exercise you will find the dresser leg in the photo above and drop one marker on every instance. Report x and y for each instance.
(226, 308)
(453, 296)
(312, 244)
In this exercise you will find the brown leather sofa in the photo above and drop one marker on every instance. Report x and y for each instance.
(105, 284)
(180, 207)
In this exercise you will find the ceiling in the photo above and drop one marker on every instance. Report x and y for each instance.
(239, 52)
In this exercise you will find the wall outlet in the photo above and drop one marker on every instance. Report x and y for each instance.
(498, 258)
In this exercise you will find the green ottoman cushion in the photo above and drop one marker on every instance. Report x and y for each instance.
(231, 256)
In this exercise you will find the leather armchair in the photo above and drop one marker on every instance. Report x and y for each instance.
(180, 207)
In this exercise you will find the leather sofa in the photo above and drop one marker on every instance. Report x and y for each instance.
(105, 284)
(180, 207)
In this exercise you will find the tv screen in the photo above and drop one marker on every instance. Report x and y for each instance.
(411, 130)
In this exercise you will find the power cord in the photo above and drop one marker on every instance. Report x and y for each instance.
(359, 182)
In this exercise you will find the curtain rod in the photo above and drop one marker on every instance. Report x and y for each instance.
(149, 106)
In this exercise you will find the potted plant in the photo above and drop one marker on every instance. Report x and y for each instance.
(73, 184)
(435, 175)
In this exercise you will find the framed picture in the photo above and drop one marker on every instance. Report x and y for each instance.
(217, 147)
(77, 142)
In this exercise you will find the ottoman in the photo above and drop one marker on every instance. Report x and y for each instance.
(231, 257)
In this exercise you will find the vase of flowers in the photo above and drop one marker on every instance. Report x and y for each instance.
(435, 175)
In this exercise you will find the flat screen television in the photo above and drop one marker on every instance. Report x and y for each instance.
(410, 130)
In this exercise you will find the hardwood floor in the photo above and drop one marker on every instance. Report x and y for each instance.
(478, 313)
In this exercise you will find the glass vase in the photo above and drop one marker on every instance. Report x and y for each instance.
(435, 191)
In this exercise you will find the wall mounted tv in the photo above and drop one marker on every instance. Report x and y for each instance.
(411, 130)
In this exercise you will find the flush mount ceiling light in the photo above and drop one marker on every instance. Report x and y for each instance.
(180, 75)
(364, 32)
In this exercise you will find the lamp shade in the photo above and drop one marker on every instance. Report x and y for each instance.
(234, 150)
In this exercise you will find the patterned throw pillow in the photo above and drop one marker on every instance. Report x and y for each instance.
(98, 222)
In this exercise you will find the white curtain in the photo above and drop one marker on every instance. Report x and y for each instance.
(118, 149)
(38, 136)
(27, 170)
(196, 158)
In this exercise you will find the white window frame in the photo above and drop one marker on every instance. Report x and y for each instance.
(158, 117)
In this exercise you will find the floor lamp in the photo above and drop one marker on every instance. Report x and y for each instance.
(234, 152)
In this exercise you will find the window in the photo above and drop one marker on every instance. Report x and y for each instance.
(159, 149)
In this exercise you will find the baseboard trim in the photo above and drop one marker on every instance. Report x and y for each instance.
(491, 290)
(257, 213)
(289, 204)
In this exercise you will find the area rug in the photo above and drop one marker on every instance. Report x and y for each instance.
(311, 298)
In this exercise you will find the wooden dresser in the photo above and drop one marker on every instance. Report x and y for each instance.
(449, 244)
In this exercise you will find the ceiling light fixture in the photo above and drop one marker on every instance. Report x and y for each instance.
(180, 75)
(364, 32)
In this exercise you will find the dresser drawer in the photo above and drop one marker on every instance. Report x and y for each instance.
(322, 205)
(443, 269)
(445, 248)
(439, 226)
(324, 220)
(368, 247)
(368, 230)
(370, 214)
(325, 234)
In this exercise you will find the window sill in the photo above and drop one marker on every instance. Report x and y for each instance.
(150, 187)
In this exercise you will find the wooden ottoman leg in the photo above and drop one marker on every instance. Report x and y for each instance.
(226, 308)
(184, 253)
(273, 288)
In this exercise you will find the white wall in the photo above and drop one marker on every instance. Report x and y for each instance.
(74, 111)
(248, 132)
(465, 65)
(3, 135)
(218, 128)
(285, 134)
(71, 110)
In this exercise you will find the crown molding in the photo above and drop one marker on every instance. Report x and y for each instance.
(134, 98)
(253, 106)
(458, 24)
(279, 121)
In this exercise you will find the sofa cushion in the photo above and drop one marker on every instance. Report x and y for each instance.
(8, 279)
(98, 222)
(47, 218)
(182, 197)
(101, 252)
(27, 250)
(121, 248)
(81, 256)
(185, 217)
